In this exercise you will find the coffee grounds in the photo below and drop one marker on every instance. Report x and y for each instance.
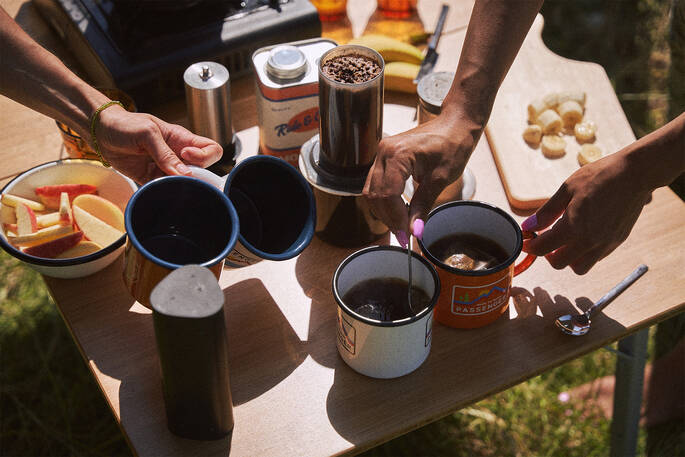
(351, 69)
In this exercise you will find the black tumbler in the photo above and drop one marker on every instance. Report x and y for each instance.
(190, 331)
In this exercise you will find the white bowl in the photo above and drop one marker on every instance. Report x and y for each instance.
(111, 185)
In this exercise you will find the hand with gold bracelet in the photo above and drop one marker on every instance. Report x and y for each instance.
(139, 145)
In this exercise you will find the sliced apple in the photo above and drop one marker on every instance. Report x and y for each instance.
(47, 219)
(14, 200)
(51, 249)
(50, 195)
(26, 220)
(7, 214)
(95, 229)
(101, 208)
(10, 228)
(65, 209)
(41, 236)
(81, 249)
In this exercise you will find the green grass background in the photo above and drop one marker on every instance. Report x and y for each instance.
(50, 405)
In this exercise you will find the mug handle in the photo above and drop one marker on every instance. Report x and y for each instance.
(529, 259)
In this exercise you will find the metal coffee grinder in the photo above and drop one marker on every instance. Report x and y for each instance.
(208, 101)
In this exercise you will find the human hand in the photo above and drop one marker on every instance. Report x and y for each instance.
(598, 205)
(435, 154)
(144, 147)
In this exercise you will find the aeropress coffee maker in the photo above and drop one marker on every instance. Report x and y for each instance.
(337, 160)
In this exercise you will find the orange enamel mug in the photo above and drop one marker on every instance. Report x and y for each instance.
(474, 298)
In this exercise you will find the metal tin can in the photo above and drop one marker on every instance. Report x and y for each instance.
(288, 95)
(432, 90)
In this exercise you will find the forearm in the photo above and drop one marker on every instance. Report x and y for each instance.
(495, 33)
(36, 78)
(657, 159)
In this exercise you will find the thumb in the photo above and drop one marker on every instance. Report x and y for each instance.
(164, 157)
(550, 211)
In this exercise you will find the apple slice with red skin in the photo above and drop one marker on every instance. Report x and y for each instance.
(81, 249)
(47, 219)
(53, 248)
(103, 209)
(14, 201)
(41, 236)
(95, 229)
(26, 220)
(10, 228)
(65, 217)
(8, 214)
(50, 195)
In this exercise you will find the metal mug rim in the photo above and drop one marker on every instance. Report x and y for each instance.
(374, 322)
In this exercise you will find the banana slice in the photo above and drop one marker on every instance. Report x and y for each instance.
(532, 134)
(553, 146)
(585, 131)
(535, 108)
(577, 96)
(549, 121)
(571, 112)
(551, 100)
(589, 153)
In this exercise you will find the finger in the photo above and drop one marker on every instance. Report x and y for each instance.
(384, 197)
(585, 262)
(421, 203)
(550, 211)
(161, 153)
(202, 157)
(550, 240)
(563, 257)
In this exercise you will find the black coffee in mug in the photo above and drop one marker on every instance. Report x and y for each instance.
(468, 251)
(385, 299)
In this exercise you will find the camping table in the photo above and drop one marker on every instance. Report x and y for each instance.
(292, 393)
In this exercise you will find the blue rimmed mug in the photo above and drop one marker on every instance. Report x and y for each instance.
(174, 221)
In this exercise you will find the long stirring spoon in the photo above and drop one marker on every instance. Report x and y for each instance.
(579, 324)
(411, 308)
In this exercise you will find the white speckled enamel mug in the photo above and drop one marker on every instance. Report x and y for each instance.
(384, 349)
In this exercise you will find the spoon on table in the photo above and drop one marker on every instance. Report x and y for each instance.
(580, 324)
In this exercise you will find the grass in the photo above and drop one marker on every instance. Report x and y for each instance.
(50, 405)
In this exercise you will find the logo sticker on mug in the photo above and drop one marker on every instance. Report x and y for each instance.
(476, 300)
(347, 334)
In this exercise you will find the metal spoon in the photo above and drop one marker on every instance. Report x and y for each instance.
(580, 324)
(411, 308)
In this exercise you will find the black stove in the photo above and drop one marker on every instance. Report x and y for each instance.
(143, 46)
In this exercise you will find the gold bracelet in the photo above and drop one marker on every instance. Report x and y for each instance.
(94, 122)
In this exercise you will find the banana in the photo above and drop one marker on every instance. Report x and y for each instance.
(535, 108)
(532, 134)
(390, 49)
(553, 146)
(585, 131)
(577, 96)
(589, 153)
(549, 121)
(571, 112)
(400, 76)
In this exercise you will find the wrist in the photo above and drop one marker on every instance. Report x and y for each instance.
(657, 159)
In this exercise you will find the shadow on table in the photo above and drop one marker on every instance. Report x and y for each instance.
(263, 349)
(314, 270)
(519, 345)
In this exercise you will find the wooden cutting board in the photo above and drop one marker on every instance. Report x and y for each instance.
(530, 178)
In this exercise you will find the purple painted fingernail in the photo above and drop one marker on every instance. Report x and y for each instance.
(402, 238)
(531, 223)
(417, 229)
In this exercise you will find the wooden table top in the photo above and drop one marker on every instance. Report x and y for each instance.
(292, 393)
